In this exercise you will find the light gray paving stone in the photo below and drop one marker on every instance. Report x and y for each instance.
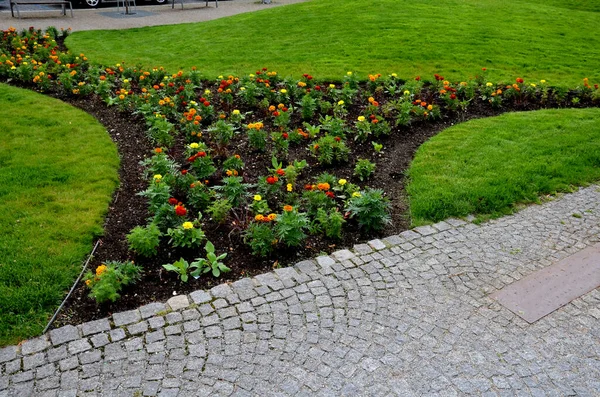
(343, 255)
(126, 318)
(8, 353)
(117, 335)
(138, 328)
(152, 309)
(94, 327)
(199, 297)
(35, 345)
(78, 346)
(377, 245)
(64, 334)
(99, 340)
(178, 302)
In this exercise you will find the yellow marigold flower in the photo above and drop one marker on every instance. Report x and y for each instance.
(220, 77)
(488, 84)
(301, 84)
(272, 217)
(280, 106)
(288, 208)
(543, 81)
(361, 118)
(283, 91)
(340, 103)
(371, 99)
(356, 194)
(430, 107)
(242, 88)
(394, 75)
(188, 225)
(100, 269)
(251, 126)
(257, 197)
(342, 182)
(251, 75)
(349, 73)
(533, 85)
(259, 217)
(157, 177)
(289, 187)
(406, 92)
(88, 282)
(332, 86)
(125, 81)
(235, 111)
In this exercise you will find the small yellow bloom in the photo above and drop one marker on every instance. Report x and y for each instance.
(331, 86)
(361, 118)
(125, 81)
(340, 103)
(289, 187)
(235, 111)
(342, 182)
(100, 269)
(194, 145)
(257, 197)
(356, 194)
(394, 75)
(430, 107)
(242, 88)
(251, 75)
(188, 225)
(349, 73)
(157, 177)
(488, 84)
(220, 77)
(543, 81)
(533, 85)
(406, 92)
(283, 91)
(88, 282)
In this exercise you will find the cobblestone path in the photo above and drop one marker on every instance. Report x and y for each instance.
(406, 315)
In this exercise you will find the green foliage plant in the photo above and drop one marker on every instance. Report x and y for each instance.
(261, 238)
(364, 169)
(370, 208)
(144, 240)
(186, 235)
(290, 227)
(109, 278)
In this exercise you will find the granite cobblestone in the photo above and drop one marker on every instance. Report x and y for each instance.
(404, 315)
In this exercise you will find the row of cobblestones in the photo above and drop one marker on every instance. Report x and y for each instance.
(405, 315)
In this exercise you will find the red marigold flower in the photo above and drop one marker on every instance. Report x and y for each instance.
(202, 99)
(308, 186)
(309, 77)
(418, 78)
(180, 210)
(173, 201)
(271, 180)
(305, 75)
(201, 154)
(453, 96)
(280, 172)
(184, 172)
(337, 139)
(330, 194)
(318, 87)
(191, 159)
(284, 109)
(285, 135)
(206, 104)
(275, 113)
(484, 69)
(519, 80)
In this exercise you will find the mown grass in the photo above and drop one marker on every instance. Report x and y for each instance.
(59, 169)
(485, 166)
(456, 38)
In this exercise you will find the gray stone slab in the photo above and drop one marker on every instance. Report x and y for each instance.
(126, 318)
(199, 297)
(64, 334)
(95, 327)
(35, 345)
(178, 302)
(548, 289)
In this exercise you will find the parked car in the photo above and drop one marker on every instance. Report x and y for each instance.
(97, 3)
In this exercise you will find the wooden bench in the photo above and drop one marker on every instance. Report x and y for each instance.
(62, 3)
(216, 3)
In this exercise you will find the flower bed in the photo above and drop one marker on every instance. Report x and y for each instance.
(263, 165)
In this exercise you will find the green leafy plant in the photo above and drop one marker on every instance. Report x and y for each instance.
(212, 263)
(219, 210)
(364, 169)
(186, 235)
(330, 149)
(181, 267)
(290, 227)
(260, 237)
(370, 208)
(329, 222)
(109, 278)
(144, 240)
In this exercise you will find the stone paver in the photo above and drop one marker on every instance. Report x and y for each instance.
(406, 315)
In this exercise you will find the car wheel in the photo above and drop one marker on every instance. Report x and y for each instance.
(92, 3)
(161, 1)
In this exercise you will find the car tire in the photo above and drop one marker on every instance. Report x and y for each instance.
(160, 2)
(91, 3)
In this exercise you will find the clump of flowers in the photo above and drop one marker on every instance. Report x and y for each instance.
(108, 280)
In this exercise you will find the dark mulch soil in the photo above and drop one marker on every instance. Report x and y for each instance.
(128, 210)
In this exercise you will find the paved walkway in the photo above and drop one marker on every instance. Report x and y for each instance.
(406, 315)
(109, 18)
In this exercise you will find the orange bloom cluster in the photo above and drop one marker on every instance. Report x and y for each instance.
(268, 218)
(374, 77)
(373, 102)
(255, 126)
(224, 86)
(231, 173)
(192, 116)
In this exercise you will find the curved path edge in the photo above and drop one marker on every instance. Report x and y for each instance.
(409, 314)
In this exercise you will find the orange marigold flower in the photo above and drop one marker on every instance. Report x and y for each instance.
(158, 150)
(101, 269)
(272, 108)
(272, 217)
(323, 186)
(288, 208)
(259, 217)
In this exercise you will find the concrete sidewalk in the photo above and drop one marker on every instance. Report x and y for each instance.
(109, 18)
(409, 315)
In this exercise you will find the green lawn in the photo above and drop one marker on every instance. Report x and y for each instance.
(554, 40)
(59, 170)
(485, 166)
